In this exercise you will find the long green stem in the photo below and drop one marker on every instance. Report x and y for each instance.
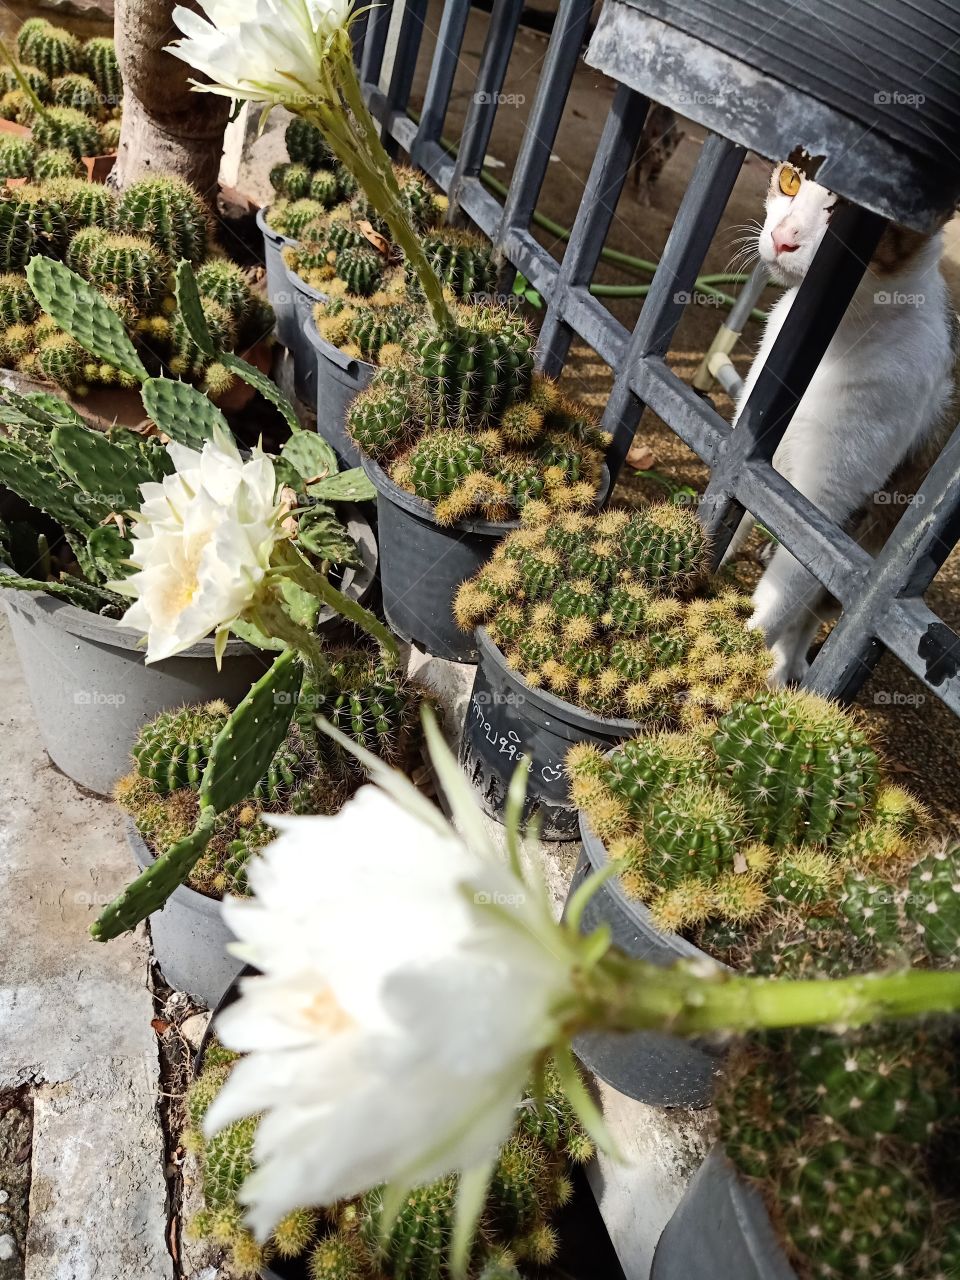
(620, 994)
(273, 620)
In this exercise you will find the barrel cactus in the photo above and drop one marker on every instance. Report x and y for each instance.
(170, 214)
(17, 303)
(474, 370)
(18, 157)
(87, 204)
(463, 262)
(172, 751)
(130, 267)
(382, 420)
(100, 61)
(50, 166)
(306, 145)
(54, 50)
(78, 91)
(67, 129)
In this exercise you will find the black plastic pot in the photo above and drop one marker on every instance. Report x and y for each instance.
(720, 1231)
(304, 298)
(423, 563)
(278, 287)
(339, 379)
(651, 1066)
(507, 719)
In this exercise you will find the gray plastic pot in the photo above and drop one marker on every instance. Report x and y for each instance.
(423, 563)
(651, 1066)
(189, 937)
(720, 1231)
(339, 379)
(278, 286)
(91, 690)
(505, 720)
(304, 298)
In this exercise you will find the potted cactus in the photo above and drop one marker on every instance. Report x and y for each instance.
(308, 774)
(67, 93)
(713, 833)
(306, 185)
(579, 643)
(835, 1153)
(90, 687)
(531, 1182)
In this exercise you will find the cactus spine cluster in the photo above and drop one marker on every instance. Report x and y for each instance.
(699, 846)
(347, 1241)
(571, 599)
(54, 50)
(64, 74)
(170, 214)
(67, 129)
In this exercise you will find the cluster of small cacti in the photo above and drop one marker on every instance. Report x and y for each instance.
(372, 329)
(574, 603)
(461, 420)
(312, 173)
(162, 793)
(767, 811)
(347, 1241)
(77, 83)
(127, 247)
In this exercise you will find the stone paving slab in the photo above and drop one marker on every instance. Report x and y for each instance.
(75, 1019)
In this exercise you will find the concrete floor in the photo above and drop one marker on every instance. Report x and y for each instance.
(76, 1023)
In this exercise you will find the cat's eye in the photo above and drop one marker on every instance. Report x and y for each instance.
(789, 181)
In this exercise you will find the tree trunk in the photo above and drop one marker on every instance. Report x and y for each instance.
(167, 128)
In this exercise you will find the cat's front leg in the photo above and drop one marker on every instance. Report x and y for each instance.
(789, 605)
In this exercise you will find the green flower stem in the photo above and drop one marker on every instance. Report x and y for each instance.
(270, 616)
(293, 566)
(621, 994)
(22, 80)
(352, 133)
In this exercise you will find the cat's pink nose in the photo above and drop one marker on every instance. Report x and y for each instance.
(782, 242)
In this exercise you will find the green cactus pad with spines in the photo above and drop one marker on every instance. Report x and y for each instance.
(804, 769)
(52, 166)
(54, 50)
(129, 267)
(475, 369)
(173, 749)
(440, 460)
(306, 145)
(170, 214)
(247, 743)
(82, 312)
(182, 412)
(17, 157)
(66, 129)
(98, 466)
(78, 91)
(28, 474)
(932, 904)
(17, 303)
(100, 60)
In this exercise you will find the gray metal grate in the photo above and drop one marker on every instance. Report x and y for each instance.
(881, 598)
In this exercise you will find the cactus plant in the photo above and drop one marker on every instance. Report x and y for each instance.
(170, 214)
(38, 81)
(18, 157)
(360, 268)
(78, 91)
(53, 50)
(475, 370)
(87, 204)
(463, 262)
(805, 769)
(49, 166)
(100, 61)
(306, 145)
(365, 328)
(291, 217)
(66, 129)
(17, 303)
(382, 419)
(129, 267)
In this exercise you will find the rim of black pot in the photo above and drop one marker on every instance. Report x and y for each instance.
(268, 231)
(301, 286)
(424, 510)
(549, 702)
(350, 364)
(93, 626)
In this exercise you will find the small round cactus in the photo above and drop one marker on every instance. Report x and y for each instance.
(360, 268)
(18, 157)
(173, 750)
(170, 214)
(381, 420)
(129, 267)
(87, 204)
(17, 303)
(50, 166)
(78, 91)
(100, 61)
(464, 263)
(440, 460)
(66, 129)
(667, 546)
(306, 145)
(54, 50)
(474, 370)
(932, 904)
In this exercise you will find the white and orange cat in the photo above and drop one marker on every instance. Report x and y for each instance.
(875, 413)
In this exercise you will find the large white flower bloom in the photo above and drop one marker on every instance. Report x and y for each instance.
(260, 50)
(408, 983)
(202, 544)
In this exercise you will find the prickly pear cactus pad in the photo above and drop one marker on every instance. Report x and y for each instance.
(697, 844)
(348, 1241)
(576, 604)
